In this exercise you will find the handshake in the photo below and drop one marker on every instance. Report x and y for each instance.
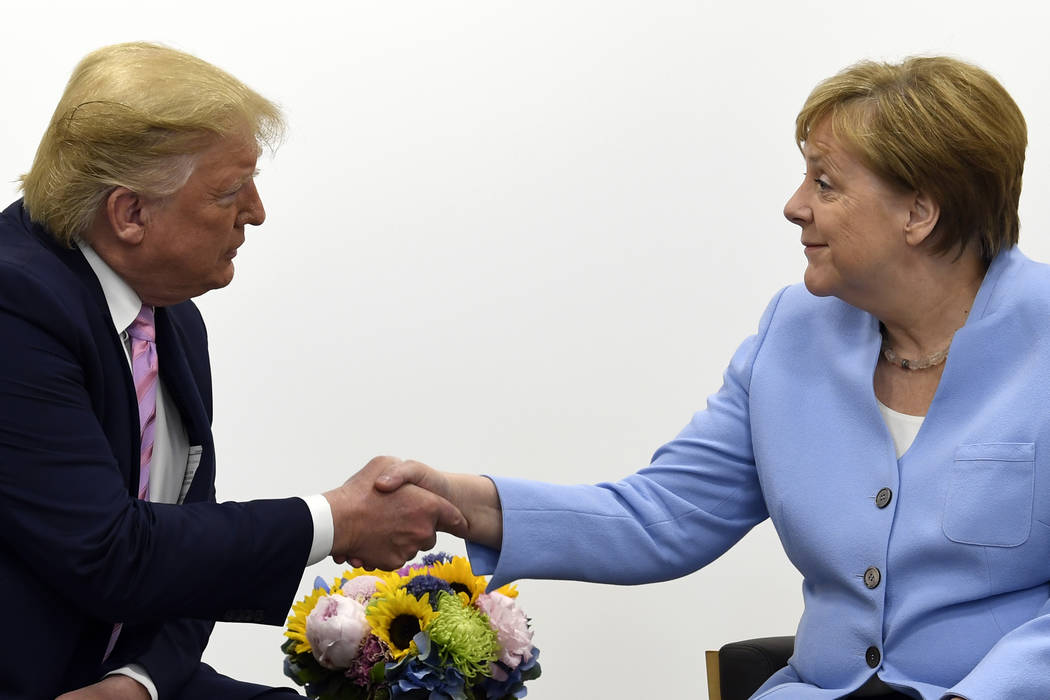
(392, 509)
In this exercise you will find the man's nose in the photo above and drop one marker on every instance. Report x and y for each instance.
(253, 212)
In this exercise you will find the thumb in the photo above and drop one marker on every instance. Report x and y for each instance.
(451, 520)
(394, 477)
(408, 472)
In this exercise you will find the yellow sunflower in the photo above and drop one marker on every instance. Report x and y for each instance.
(396, 616)
(297, 620)
(459, 575)
(510, 590)
(351, 574)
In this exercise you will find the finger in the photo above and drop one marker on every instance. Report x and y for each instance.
(356, 563)
(393, 561)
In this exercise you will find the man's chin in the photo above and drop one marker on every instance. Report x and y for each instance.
(223, 278)
(217, 283)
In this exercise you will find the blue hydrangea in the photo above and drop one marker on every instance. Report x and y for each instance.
(425, 672)
(514, 685)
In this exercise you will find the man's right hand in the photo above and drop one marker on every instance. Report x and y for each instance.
(384, 530)
(475, 496)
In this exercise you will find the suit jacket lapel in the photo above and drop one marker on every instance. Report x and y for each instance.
(78, 265)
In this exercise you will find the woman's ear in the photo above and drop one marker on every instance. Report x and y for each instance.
(923, 215)
(124, 212)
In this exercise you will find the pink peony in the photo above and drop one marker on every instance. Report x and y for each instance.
(511, 625)
(361, 588)
(335, 629)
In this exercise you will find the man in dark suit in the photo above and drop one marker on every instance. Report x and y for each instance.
(114, 556)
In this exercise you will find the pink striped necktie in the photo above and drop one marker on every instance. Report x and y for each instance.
(143, 336)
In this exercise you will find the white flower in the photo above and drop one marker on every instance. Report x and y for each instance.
(335, 629)
(361, 587)
(511, 625)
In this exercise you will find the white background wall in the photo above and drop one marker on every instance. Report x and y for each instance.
(521, 238)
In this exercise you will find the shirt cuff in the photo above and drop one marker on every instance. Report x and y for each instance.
(324, 528)
(137, 673)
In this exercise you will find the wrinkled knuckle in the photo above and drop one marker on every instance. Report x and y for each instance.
(383, 460)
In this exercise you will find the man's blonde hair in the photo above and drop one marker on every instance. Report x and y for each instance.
(135, 115)
(936, 125)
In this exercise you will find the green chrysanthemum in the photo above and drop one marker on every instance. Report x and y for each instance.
(464, 636)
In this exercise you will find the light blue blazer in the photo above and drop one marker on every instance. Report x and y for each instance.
(959, 604)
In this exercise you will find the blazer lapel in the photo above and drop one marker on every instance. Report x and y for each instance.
(78, 265)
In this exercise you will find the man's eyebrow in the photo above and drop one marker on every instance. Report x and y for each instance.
(248, 176)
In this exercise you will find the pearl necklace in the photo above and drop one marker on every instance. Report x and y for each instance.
(904, 363)
(923, 363)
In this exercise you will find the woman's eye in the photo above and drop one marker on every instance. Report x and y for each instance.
(822, 184)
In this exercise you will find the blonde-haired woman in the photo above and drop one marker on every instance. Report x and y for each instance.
(886, 416)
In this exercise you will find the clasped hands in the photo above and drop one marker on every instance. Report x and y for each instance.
(393, 508)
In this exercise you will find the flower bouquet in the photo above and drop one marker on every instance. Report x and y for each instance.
(428, 631)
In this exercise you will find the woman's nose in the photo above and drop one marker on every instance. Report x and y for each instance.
(796, 210)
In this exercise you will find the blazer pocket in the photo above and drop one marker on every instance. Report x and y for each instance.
(990, 494)
(193, 460)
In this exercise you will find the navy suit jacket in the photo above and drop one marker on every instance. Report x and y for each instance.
(78, 551)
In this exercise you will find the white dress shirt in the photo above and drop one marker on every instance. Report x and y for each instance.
(174, 460)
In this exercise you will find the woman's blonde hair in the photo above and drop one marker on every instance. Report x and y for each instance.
(135, 115)
(936, 125)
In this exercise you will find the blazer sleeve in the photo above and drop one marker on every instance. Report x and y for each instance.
(170, 654)
(66, 512)
(698, 497)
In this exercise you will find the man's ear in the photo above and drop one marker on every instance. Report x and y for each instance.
(923, 215)
(124, 211)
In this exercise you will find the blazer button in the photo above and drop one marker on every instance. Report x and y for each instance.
(872, 577)
(883, 498)
(873, 657)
